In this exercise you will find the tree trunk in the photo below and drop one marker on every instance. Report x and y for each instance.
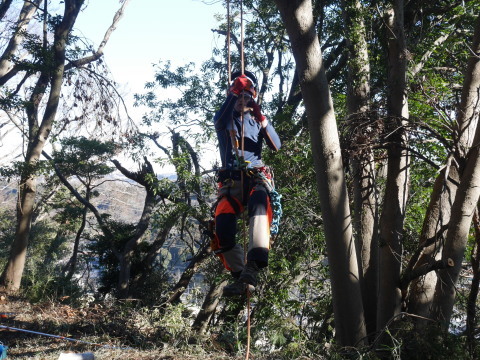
(126, 256)
(28, 10)
(437, 216)
(468, 191)
(363, 164)
(349, 319)
(124, 270)
(200, 324)
(443, 195)
(12, 275)
(396, 190)
(187, 275)
(462, 212)
(13, 272)
(148, 261)
(472, 297)
(70, 267)
(4, 6)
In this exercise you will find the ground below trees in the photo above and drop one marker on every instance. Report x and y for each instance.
(117, 326)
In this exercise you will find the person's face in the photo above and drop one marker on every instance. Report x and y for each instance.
(242, 102)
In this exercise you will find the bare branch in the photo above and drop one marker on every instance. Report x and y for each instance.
(4, 7)
(419, 65)
(423, 270)
(232, 36)
(26, 14)
(99, 53)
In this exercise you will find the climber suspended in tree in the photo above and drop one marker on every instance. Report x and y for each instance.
(244, 182)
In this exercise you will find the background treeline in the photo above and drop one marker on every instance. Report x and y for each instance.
(377, 105)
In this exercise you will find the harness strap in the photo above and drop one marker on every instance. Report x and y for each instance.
(233, 203)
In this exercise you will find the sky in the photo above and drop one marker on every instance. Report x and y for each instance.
(152, 30)
(149, 31)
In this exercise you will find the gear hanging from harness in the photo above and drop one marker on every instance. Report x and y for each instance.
(263, 176)
(275, 197)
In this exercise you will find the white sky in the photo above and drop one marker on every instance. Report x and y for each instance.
(149, 31)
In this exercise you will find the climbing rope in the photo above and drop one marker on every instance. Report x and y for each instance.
(240, 159)
(275, 197)
(64, 338)
(242, 67)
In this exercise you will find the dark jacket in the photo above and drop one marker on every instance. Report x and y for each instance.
(227, 119)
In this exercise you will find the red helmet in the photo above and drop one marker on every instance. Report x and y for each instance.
(253, 81)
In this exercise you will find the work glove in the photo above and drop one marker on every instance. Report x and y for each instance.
(257, 114)
(240, 84)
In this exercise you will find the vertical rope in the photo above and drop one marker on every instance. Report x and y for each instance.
(242, 62)
(242, 65)
(229, 61)
(244, 227)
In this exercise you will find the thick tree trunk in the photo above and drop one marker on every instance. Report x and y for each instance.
(13, 272)
(396, 190)
(468, 191)
(363, 164)
(349, 319)
(124, 270)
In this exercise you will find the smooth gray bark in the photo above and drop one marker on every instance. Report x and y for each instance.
(439, 211)
(344, 273)
(363, 164)
(468, 191)
(462, 212)
(397, 185)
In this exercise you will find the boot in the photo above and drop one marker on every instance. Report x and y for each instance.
(236, 289)
(250, 273)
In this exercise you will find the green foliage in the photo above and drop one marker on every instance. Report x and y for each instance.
(432, 343)
(107, 262)
(84, 157)
(43, 278)
(7, 233)
(17, 168)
